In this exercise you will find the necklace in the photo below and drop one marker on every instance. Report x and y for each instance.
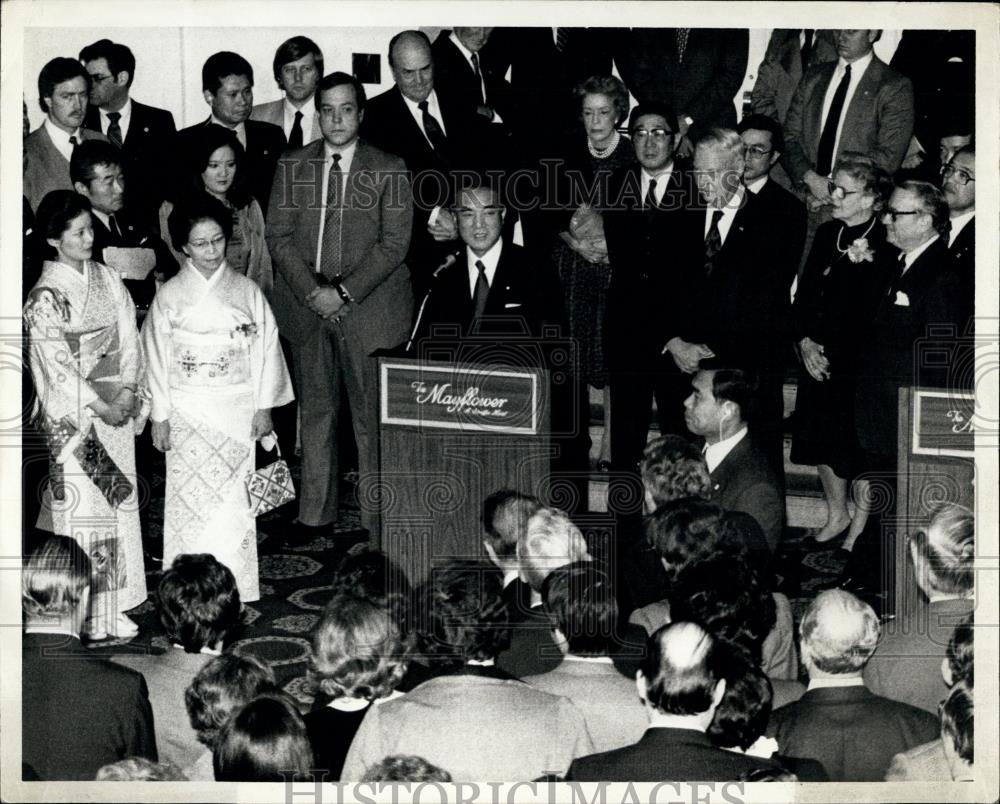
(865, 235)
(604, 153)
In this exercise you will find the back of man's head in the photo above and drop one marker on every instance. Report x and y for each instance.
(580, 602)
(839, 634)
(550, 540)
(505, 519)
(682, 669)
(672, 467)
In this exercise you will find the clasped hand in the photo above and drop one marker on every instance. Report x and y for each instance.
(686, 355)
(327, 303)
(815, 362)
(119, 410)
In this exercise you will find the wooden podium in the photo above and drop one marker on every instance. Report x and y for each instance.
(448, 435)
(936, 465)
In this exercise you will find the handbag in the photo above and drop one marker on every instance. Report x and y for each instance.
(271, 485)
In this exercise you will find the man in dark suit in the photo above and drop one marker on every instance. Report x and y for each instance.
(227, 84)
(342, 288)
(78, 710)
(461, 73)
(741, 473)
(790, 53)
(839, 722)
(857, 103)
(62, 94)
(959, 187)
(143, 133)
(695, 71)
(505, 517)
(682, 683)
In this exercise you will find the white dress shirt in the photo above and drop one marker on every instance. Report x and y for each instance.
(490, 260)
(433, 107)
(958, 223)
(819, 683)
(60, 138)
(308, 110)
(758, 184)
(728, 213)
(858, 69)
(661, 183)
(346, 159)
(123, 121)
(716, 453)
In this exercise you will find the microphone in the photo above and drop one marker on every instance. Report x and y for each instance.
(449, 261)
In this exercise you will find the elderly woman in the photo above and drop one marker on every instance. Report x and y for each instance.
(581, 255)
(906, 665)
(83, 349)
(216, 167)
(215, 371)
(358, 660)
(834, 304)
(264, 742)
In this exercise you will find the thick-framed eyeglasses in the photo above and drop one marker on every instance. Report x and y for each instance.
(963, 177)
(895, 214)
(658, 134)
(201, 245)
(836, 191)
(756, 152)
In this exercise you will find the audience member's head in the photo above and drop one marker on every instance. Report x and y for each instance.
(673, 468)
(957, 133)
(960, 659)
(859, 185)
(505, 519)
(916, 212)
(682, 673)
(412, 64)
(958, 732)
(404, 768)
(371, 575)
(96, 172)
(221, 687)
(111, 67)
(474, 39)
(725, 594)
(763, 145)
(839, 635)
(944, 554)
(265, 741)
(198, 602)
(958, 181)
(298, 66)
(227, 85)
(654, 131)
(604, 88)
(718, 165)
(581, 607)
(742, 715)
(55, 585)
(550, 540)
(140, 769)
(683, 531)
(357, 650)
(721, 402)
(63, 90)
(463, 616)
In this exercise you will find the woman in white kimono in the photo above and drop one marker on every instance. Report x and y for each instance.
(215, 371)
(86, 365)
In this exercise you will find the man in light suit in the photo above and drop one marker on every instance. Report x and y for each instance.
(338, 238)
(63, 90)
(839, 722)
(790, 53)
(857, 103)
(143, 133)
(298, 66)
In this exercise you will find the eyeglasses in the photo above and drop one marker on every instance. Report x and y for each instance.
(658, 134)
(896, 213)
(756, 151)
(836, 191)
(201, 245)
(97, 79)
(963, 177)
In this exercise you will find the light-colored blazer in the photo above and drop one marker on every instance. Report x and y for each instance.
(376, 226)
(45, 169)
(878, 121)
(925, 763)
(274, 112)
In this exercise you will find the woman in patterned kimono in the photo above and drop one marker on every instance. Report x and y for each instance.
(86, 365)
(215, 371)
(215, 165)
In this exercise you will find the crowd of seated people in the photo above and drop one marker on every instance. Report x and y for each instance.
(696, 261)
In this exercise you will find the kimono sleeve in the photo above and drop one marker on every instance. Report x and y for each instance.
(157, 344)
(272, 383)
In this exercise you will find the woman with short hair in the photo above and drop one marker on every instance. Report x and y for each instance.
(264, 742)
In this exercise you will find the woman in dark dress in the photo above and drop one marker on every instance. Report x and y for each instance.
(581, 254)
(835, 302)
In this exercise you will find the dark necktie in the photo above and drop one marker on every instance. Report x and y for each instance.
(562, 39)
(72, 142)
(434, 131)
(713, 242)
(113, 226)
(650, 202)
(897, 280)
(479, 77)
(824, 153)
(115, 130)
(682, 43)
(807, 47)
(481, 292)
(295, 135)
(330, 261)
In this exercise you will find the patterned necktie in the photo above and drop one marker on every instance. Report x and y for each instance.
(650, 202)
(330, 262)
(824, 153)
(807, 47)
(713, 242)
(479, 77)
(562, 39)
(434, 131)
(295, 135)
(113, 226)
(682, 43)
(482, 290)
(115, 130)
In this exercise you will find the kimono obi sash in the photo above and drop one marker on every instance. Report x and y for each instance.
(209, 360)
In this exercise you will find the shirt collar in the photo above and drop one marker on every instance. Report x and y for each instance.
(716, 453)
(58, 135)
(661, 179)
(103, 216)
(757, 184)
(510, 576)
(346, 154)
(481, 663)
(238, 129)
(959, 221)
(432, 104)
(125, 114)
(911, 256)
(490, 259)
(572, 657)
(858, 67)
(462, 48)
(821, 683)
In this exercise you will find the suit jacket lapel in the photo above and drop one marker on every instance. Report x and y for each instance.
(815, 110)
(860, 106)
(314, 215)
(407, 121)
